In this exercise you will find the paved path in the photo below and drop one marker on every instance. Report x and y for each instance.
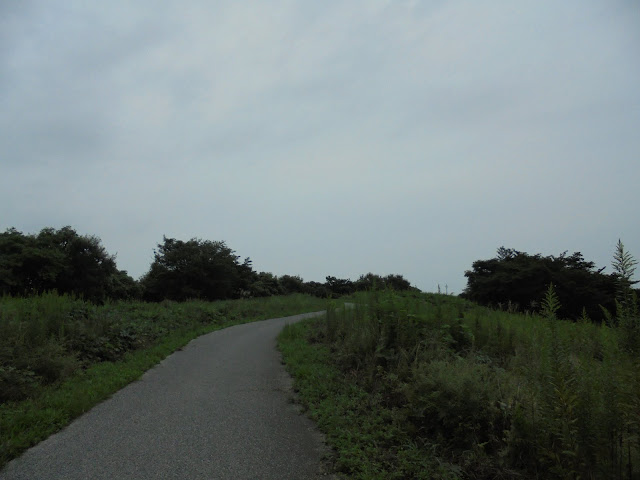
(218, 409)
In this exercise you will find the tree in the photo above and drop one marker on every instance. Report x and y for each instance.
(371, 281)
(247, 277)
(265, 285)
(195, 269)
(317, 289)
(339, 286)
(292, 284)
(58, 260)
(522, 279)
(123, 287)
(88, 267)
(397, 282)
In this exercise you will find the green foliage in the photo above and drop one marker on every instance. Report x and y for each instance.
(454, 402)
(489, 394)
(624, 265)
(122, 287)
(368, 441)
(627, 314)
(265, 285)
(60, 260)
(317, 289)
(338, 287)
(371, 281)
(59, 355)
(48, 337)
(292, 284)
(516, 278)
(196, 269)
(550, 303)
(68, 263)
(209, 270)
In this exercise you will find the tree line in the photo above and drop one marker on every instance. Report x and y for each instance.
(64, 261)
(518, 281)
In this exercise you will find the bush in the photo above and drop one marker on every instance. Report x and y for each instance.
(456, 403)
(60, 260)
(516, 278)
(502, 395)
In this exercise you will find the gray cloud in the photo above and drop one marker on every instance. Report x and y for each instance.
(325, 138)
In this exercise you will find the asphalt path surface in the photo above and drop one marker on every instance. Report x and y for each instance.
(218, 409)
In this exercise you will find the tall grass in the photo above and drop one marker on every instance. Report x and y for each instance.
(46, 338)
(500, 395)
(59, 355)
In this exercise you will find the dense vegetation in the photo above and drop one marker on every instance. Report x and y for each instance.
(69, 263)
(430, 386)
(74, 328)
(60, 355)
(61, 260)
(518, 280)
(406, 384)
(47, 338)
(427, 386)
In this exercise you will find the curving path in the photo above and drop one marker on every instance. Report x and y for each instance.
(218, 409)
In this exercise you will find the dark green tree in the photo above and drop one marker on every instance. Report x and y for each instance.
(60, 260)
(247, 277)
(123, 287)
(522, 279)
(339, 286)
(292, 284)
(265, 285)
(88, 267)
(317, 289)
(369, 281)
(194, 269)
(397, 282)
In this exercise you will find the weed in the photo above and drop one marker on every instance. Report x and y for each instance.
(462, 390)
(59, 356)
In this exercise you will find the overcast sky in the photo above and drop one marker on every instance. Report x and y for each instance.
(326, 138)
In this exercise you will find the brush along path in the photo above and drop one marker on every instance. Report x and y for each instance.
(218, 409)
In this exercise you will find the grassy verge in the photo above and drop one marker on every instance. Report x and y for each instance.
(367, 437)
(63, 356)
(430, 386)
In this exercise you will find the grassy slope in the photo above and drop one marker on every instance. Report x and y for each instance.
(367, 440)
(153, 330)
(428, 386)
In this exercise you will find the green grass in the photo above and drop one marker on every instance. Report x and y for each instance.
(69, 340)
(431, 386)
(368, 440)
